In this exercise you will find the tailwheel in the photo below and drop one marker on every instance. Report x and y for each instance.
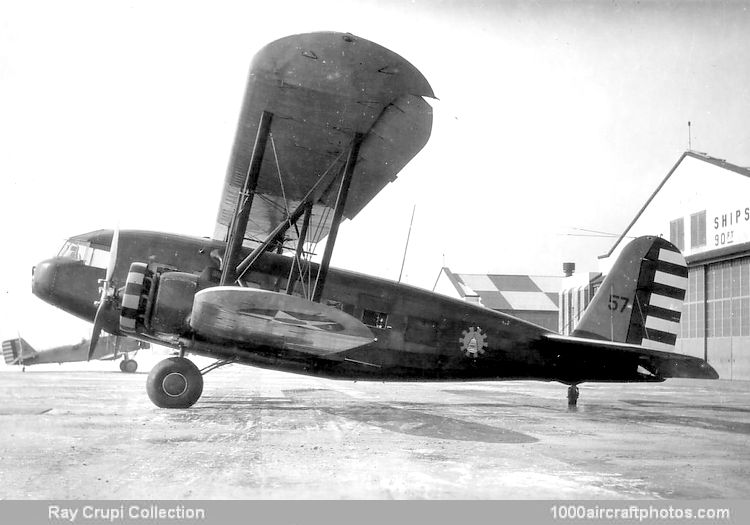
(572, 395)
(174, 383)
(129, 366)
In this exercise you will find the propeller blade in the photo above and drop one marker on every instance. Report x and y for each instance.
(113, 255)
(105, 299)
(97, 329)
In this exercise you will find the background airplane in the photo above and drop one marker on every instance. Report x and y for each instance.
(340, 117)
(19, 352)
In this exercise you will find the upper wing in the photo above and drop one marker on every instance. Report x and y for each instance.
(322, 89)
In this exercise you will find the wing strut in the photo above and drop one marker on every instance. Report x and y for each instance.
(338, 215)
(297, 261)
(283, 226)
(245, 201)
(312, 196)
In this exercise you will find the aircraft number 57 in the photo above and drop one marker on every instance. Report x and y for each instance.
(618, 303)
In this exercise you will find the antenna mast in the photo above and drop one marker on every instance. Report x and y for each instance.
(408, 235)
(690, 138)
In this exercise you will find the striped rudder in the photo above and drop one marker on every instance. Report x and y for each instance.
(640, 300)
(662, 284)
(15, 351)
(9, 352)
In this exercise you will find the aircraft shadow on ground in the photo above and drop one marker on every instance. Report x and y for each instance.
(386, 416)
(669, 415)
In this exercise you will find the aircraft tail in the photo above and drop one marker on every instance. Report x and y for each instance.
(15, 351)
(640, 300)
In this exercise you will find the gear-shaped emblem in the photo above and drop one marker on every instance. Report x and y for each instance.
(473, 342)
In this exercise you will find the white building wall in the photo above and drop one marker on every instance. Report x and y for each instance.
(575, 295)
(696, 186)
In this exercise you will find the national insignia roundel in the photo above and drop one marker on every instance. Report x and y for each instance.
(473, 342)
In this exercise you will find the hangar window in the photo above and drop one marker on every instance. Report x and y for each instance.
(692, 322)
(728, 302)
(698, 229)
(677, 233)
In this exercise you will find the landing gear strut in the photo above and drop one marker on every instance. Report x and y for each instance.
(572, 395)
(174, 383)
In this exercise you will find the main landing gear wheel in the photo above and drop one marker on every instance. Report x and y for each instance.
(174, 383)
(129, 366)
(572, 395)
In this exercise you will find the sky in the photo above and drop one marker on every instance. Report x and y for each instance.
(552, 119)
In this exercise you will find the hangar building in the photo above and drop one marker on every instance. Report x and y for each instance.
(703, 207)
(533, 298)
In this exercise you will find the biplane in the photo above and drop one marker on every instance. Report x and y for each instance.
(328, 120)
(19, 352)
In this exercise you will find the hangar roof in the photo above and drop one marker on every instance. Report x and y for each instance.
(508, 292)
(721, 163)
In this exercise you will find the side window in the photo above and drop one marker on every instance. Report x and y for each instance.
(375, 319)
(99, 258)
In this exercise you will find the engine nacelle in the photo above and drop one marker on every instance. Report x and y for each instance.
(157, 300)
(173, 303)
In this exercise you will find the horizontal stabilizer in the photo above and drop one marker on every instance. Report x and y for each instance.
(657, 362)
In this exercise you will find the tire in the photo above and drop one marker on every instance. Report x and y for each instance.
(174, 383)
(130, 366)
(122, 365)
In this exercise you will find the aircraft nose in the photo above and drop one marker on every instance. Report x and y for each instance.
(43, 278)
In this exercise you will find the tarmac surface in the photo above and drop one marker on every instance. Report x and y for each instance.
(94, 434)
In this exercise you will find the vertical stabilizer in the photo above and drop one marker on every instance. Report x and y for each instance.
(640, 300)
(16, 351)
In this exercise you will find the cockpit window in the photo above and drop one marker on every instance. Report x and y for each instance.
(71, 250)
(82, 251)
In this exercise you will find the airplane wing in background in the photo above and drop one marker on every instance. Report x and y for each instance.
(323, 89)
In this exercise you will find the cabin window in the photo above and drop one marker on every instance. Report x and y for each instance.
(420, 330)
(375, 319)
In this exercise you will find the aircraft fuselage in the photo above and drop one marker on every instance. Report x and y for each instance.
(419, 335)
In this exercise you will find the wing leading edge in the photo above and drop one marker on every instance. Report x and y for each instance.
(323, 89)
